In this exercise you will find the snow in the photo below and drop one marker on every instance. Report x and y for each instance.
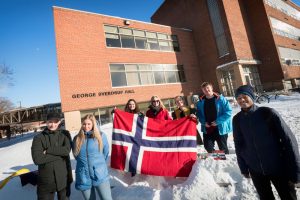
(206, 180)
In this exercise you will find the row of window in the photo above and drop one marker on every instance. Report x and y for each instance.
(145, 74)
(293, 62)
(285, 34)
(138, 39)
(283, 7)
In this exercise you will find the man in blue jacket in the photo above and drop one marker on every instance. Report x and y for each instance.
(214, 113)
(266, 148)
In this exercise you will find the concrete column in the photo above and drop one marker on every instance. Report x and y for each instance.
(72, 121)
(239, 75)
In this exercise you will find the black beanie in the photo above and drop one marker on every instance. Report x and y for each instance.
(245, 89)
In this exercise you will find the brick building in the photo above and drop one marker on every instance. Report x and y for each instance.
(241, 41)
(103, 61)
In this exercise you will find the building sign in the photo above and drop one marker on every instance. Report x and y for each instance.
(99, 94)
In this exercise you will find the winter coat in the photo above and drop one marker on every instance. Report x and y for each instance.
(224, 112)
(178, 113)
(91, 168)
(265, 144)
(162, 114)
(52, 166)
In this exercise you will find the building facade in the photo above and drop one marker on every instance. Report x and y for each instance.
(103, 61)
(241, 42)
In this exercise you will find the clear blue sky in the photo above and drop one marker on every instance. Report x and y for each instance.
(27, 42)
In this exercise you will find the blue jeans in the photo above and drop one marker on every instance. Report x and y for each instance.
(103, 191)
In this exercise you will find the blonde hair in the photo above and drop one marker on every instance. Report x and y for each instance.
(180, 98)
(81, 137)
(160, 102)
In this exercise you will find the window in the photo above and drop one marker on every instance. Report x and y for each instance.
(145, 74)
(289, 56)
(139, 39)
(171, 77)
(252, 77)
(112, 40)
(118, 77)
(153, 44)
(159, 78)
(283, 29)
(139, 33)
(147, 78)
(141, 43)
(164, 45)
(284, 8)
(218, 28)
(127, 41)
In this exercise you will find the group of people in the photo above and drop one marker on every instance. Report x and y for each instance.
(266, 149)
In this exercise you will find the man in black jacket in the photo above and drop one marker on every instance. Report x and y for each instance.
(50, 151)
(266, 149)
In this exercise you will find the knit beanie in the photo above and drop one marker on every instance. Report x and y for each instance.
(246, 90)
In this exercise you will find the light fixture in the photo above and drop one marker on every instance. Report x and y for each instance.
(127, 22)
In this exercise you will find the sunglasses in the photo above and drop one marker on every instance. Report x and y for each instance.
(155, 101)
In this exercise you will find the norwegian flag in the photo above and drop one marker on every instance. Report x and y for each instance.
(155, 147)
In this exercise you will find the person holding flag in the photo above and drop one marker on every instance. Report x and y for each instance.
(157, 110)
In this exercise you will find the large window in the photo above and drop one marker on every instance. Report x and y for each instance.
(284, 7)
(145, 74)
(283, 29)
(139, 39)
(289, 56)
(218, 28)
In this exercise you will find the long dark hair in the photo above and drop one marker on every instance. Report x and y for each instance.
(136, 110)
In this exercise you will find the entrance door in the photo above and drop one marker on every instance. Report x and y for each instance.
(228, 82)
(252, 77)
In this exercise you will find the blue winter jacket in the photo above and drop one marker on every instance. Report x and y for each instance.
(91, 168)
(265, 144)
(224, 112)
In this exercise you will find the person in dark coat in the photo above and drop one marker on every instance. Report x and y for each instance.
(183, 111)
(266, 148)
(50, 151)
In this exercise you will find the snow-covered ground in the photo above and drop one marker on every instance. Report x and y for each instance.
(204, 182)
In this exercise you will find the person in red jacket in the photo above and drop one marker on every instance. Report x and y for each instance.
(157, 110)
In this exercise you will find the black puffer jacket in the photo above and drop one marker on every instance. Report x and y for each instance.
(52, 166)
(265, 144)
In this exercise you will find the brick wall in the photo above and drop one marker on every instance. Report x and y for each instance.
(83, 60)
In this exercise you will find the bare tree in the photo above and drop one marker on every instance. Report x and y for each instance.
(5, 104)
(6, 78)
